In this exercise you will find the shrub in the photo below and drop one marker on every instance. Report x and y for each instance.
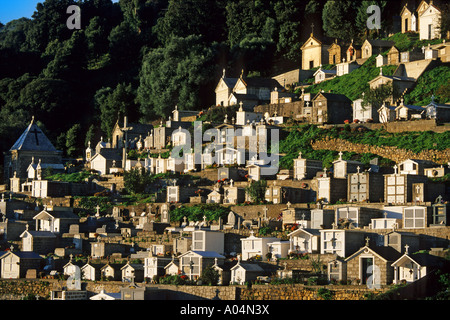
(264, 231)
(174, 279)
(257, 190)
(325, 293)
(210, 276)
(211, 211)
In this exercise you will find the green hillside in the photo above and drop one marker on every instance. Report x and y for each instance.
(432, 82)
(410, 41)
(435, 81)
(354, 83)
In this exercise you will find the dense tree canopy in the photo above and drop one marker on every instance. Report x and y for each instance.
(175, 74)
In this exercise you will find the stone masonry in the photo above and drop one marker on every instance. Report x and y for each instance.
(389, 152)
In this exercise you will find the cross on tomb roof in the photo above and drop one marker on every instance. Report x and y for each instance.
(35, 135)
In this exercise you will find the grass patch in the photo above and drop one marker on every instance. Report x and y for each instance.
(70, 177)
(353, 84)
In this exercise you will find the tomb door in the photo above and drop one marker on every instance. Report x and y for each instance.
(409, 272)
(324, 189)
(335, 271)
(366, 272)
(9, 268)
(340, 170)
(28, 244)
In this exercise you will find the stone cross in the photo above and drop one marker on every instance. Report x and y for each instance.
(240, 106)
(98, 211)
(385, 214)
(71, 257)
(231, 182)
(367, 241)
(265, 209)
(406, 248)
(303, 216)
(395, 169)
(3, 197)
(340, 155)
(300, 155)
(325, 172)
(11, 248)
(358, 168)
(417, 188)
(288, 204)
(333, 225)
